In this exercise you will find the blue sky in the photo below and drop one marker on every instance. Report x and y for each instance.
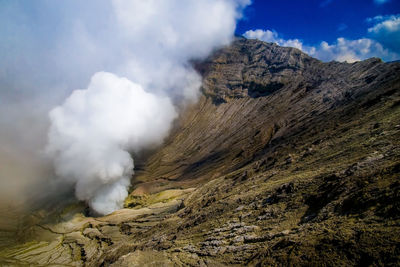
(314, 21)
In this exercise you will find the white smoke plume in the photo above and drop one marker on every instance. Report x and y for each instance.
(92, 131)
(144, 49)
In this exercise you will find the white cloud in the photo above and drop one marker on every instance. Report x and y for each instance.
(341, 50)
(351, 50)
(386, 30)
(386, 23)
(273, 37)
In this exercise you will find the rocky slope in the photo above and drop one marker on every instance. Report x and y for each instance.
(284, 160)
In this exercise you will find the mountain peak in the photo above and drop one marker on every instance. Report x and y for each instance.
(254, 68)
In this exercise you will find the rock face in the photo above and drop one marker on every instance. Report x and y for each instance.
(284, 160)
(257, 93)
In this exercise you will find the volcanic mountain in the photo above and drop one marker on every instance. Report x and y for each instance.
(284, 160)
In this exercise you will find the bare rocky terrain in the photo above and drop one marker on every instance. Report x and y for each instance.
(284, 160)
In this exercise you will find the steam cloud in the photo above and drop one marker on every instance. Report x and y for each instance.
(144, 49)
(92, 129)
